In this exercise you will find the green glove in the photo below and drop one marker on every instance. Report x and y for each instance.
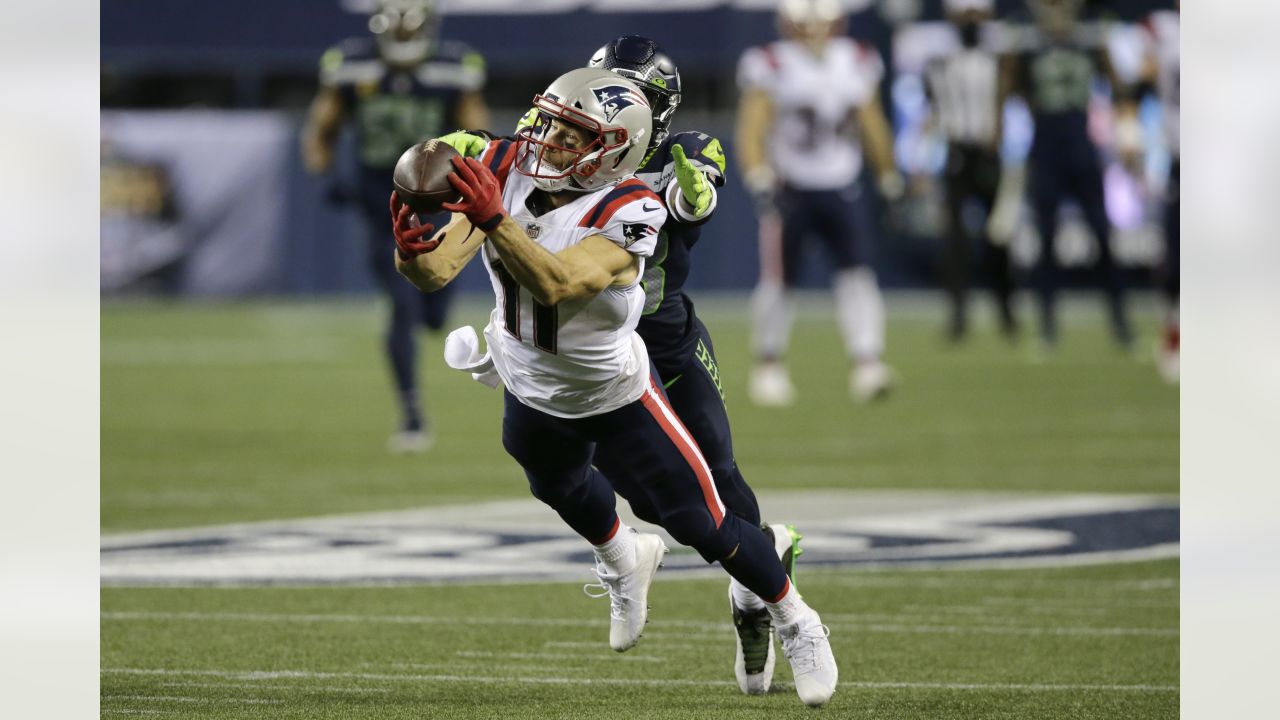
(693, 184)
(528, 120)
(465, 143)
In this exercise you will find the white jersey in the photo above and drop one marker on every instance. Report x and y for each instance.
(1164, 27)
(582, 357)
(814, 143)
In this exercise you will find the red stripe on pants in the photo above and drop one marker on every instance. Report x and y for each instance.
(653, 402)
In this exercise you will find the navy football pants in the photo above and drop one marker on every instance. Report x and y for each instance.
(841, 219)
(642, 451)
(694, 389)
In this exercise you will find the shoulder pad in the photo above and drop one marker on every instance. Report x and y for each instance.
(353, 60)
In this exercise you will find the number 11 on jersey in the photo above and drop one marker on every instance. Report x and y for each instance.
(546, 321)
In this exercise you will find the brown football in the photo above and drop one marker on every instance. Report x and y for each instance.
(421, 176)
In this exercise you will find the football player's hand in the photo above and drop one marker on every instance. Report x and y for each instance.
(467, 144)
(409, 231)
(892, 186)
(693, 183)
(762, 184)
(528, 120)
(481, 195)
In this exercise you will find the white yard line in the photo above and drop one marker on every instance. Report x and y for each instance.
(260, 686)
(189, 699)
(579, 657)
(573, 622)
(488, 680)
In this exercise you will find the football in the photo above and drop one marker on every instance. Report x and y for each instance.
(421, 176)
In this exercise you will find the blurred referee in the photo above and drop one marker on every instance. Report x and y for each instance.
(964, 86)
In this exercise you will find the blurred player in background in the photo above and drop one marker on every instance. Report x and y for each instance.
(399, 86)
(809, 104)
(685, 169)
(1161, 69)
(1053, 67)
(964, 87)
(567, 232)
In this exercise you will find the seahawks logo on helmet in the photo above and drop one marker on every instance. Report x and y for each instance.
(615, 98)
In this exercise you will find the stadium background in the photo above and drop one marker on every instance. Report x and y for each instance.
(211, 96)
(274, 407)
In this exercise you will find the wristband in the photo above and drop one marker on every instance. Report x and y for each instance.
(492, 223)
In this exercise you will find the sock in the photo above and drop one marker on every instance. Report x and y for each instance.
(860, 312)
(618, 553)
(744, 598)
(789, 608)
(771, 312)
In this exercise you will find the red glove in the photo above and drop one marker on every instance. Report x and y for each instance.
(481, 195)
(409, 232)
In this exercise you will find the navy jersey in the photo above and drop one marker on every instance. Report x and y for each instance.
(395, 108)
(666, 324)
(1056, 78)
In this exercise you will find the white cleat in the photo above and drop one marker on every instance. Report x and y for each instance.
(771, 386)
(813, 665)
(871, 381)
(629, 592)
(410, 442)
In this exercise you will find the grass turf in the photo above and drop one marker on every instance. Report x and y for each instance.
(239, 412)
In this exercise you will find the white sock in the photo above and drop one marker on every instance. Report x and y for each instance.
(771, 311)
(619, 552)
(744, 598)
(789, 609)
(860, 312)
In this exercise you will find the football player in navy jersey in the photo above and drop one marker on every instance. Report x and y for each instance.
(399, 85)
(1053, 67)
(684, 169)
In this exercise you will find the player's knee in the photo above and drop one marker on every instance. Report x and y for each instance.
(698, 530)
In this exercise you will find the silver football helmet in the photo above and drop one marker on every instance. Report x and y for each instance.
(405, 30)
(608, 110)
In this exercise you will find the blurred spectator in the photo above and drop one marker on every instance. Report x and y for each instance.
(809, 102)
(964, 88)
(1162, 69)
(1053, 66)
(400, 85)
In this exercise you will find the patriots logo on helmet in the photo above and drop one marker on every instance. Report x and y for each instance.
(614, 98)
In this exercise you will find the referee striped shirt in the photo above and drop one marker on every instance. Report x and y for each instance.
(964, 87)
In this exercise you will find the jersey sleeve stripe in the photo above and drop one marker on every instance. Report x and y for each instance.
(629, 191)
(655, 403)
(498, 157)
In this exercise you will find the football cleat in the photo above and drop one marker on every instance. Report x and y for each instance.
(409, 442)
(871, 381)
(629, 592)
(754, 659)
(771, 386)
(813, 665)
(786, 543)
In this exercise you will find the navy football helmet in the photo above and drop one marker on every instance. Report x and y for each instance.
(640, 60)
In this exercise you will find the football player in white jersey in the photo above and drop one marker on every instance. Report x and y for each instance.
(565, 230)
(809, 105)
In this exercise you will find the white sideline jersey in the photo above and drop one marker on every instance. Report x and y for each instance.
(581, 357)
(1164, 28)
(814, 143)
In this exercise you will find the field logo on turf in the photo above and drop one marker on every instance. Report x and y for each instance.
(524, 540)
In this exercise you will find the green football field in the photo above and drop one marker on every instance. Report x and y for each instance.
(234, 413)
